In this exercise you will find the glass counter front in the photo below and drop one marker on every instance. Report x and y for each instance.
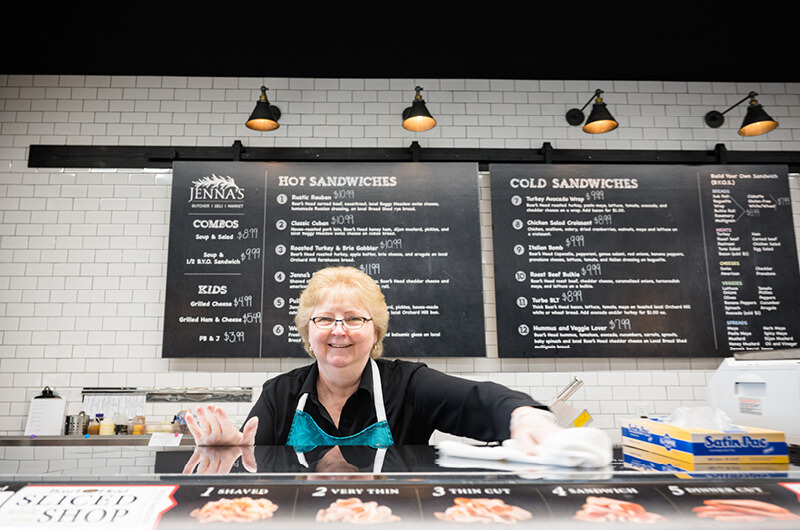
(138, 486)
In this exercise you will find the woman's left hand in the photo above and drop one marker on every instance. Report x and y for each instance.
(530, 426)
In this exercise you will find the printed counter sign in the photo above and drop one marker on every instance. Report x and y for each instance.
(747, 502)
(642, 261)
(246, 237)
(71, 506)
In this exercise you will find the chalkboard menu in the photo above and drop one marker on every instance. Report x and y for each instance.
(246, 237)
(629, 260)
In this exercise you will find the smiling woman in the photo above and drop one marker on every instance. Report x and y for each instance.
(351, 396)
(342, 286)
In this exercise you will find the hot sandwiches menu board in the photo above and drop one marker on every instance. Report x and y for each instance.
(246, 237)
(601, 261)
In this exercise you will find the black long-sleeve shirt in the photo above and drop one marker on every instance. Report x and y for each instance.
(418, 400)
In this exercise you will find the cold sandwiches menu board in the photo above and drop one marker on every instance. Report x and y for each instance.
(246, 237)
(629, 260)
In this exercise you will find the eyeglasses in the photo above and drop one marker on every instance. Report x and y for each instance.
(327, 323)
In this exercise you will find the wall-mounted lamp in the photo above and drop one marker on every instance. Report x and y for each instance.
(755, 122)
(265, 116)
(600, 120)
(416, 117)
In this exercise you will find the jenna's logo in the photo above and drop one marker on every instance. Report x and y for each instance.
(215, 188)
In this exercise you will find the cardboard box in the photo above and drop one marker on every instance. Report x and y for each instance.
(645, 461)
(736, 445)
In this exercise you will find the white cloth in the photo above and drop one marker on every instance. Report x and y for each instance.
(583, 447)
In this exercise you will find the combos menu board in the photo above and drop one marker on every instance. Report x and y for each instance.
(245, 239)
(602, 261)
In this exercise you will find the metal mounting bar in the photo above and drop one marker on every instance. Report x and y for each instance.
(76, 156)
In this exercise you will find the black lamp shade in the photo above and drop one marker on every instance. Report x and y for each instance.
(416, 118)
(600, 120)
(756, 121)
(265, 116)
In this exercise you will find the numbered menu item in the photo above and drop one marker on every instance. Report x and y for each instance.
(774, 506)
(605, 509)
(245, 239)
(238, 510)
(482, 510)
(497, 504)
(748, 510)
(354, 510)
(643, 260)
(357, 503)
(609, 503)
(229, 503)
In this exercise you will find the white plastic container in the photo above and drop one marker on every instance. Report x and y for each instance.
(760, 393)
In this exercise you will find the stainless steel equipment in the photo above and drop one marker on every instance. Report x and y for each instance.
(76, 424)
(567, 415)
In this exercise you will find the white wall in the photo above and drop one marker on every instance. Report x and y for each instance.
(83, 252)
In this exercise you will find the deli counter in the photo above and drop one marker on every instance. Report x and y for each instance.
(74, 482)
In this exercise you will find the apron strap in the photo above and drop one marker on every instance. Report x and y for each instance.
(377, 464)
(380, 413)
(301, 459)
(377, 389)
(380, 456)
(301, 403)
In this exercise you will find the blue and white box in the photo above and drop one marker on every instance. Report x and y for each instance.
(736, 444)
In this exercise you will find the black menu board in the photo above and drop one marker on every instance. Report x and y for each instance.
(246, 237)
(630, 260)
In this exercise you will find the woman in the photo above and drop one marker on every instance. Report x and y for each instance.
(350, 396)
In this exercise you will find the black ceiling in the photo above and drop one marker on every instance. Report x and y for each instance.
(498, 40)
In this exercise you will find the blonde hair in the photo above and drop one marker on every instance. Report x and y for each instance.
(365, 291)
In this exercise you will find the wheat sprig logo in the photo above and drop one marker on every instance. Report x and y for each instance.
(216, 188)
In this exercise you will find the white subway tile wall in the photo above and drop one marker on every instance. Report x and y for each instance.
(83, 252)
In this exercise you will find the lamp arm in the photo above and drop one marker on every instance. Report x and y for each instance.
(597, 93)
(751, 95)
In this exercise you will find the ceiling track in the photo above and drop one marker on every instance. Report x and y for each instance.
(79, 156)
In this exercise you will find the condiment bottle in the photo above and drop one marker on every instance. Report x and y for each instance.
(179, 423)
(106, 427)
(138, 425)
(94, 425)
(120, 423)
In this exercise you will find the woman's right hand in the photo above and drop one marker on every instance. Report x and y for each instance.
(220, 459)
(215, 428)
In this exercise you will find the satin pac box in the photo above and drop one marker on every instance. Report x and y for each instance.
(646, 461)
(737, 444)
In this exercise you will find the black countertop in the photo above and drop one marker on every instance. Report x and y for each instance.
(43, 485)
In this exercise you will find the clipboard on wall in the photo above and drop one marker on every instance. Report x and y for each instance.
(46, 414)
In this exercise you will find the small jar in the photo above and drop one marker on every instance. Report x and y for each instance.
(94, 425)
(120, 423)
(138, 425)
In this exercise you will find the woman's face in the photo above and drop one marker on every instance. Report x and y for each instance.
(341, 348)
